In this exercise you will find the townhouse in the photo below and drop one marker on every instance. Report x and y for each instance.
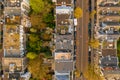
(14, 62)
(107, 30)
(64, 40)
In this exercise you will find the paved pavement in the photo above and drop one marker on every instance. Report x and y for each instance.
(82, 39)
(92, 29)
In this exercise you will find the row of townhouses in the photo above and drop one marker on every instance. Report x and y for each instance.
(108, 32)
(64, 40)
(15, 19)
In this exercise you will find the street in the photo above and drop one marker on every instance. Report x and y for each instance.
(82, 39)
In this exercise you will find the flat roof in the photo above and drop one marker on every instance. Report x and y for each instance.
(13, 41)
(64, 67)
(109, 62)
(62, 77)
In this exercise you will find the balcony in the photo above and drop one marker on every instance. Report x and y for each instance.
(103, 4)
(109, 23)
(110, 13)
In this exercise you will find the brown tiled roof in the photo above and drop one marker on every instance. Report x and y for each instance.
(62, 19)
(64, 1)
(111, 52)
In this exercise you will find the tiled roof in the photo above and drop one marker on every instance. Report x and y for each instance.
(64, 67)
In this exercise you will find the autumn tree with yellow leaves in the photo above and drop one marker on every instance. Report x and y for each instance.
(78, 12)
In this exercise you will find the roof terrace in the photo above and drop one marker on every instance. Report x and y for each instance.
(62, 56)
(12, 3)
(13, 19)
(14, 64)
(13, 41)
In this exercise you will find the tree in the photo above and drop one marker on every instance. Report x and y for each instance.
(33, 37)
(37, 22)
(92, 13)
(38, 69)
(46, 36)
(94, 43)
(90, 74)
(31, 55)
(78, 12)
(37, 5)
(77, 73)
(33, 30)
(118, 45)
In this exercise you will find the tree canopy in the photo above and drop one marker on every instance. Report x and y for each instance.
(92, 13)
(94, 43)
(90, 74)
(31, 55)
(38, 69)
(118, 45)
(37, 5)
(78, 12)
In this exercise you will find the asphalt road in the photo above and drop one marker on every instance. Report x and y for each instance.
(82, 39)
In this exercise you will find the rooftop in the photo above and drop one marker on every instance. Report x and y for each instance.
(63, 67)
(63, 9)
(109, 62)
(12, 3)
(64, 42)
(109, 52)
(13, 41)
(63, 2)
(14, 64)
(13, 19)
(62, 56)
(62, 77)
(12, 11)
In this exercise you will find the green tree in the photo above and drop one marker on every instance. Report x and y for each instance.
(118, 45)
(46, 36)
(78, 12)
(33, 30)
(31, 55)
(48, 18)
(38, 69)
(33, 37)
(37, 5)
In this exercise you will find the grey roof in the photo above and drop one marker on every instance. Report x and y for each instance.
(109, 52)
(64, 42)
(64, 67)
(106, 72)
(62, 77)
(14, 76)
(109, 61)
